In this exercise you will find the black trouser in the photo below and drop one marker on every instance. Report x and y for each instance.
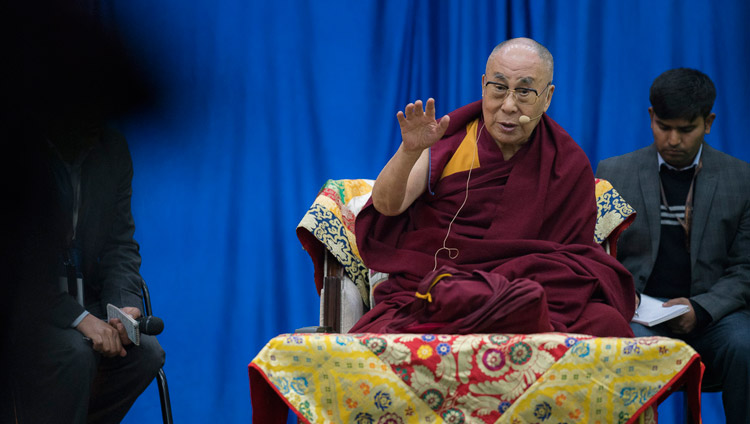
(57, 377)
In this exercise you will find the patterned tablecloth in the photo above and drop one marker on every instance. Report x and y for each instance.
(498, 378)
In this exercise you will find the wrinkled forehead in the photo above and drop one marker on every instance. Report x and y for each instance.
(517, 62)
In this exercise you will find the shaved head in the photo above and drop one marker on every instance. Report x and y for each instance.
(527, 43)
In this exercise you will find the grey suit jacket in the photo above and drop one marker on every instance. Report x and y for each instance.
(110, 256)
(720, 234)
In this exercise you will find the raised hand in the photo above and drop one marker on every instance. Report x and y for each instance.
(419, 129)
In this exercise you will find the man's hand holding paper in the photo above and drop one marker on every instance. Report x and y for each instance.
(684, 323)
(652, 311)
(135, 313)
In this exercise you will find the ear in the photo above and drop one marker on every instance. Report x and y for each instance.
(708, 122)
(652, 116)
(484, 81)
(547, 102)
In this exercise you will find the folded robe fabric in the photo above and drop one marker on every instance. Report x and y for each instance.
(526, 260)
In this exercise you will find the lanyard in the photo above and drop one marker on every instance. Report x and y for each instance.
(685, 223)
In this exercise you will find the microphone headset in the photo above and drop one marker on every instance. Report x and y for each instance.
(523, 119)
(452, 251)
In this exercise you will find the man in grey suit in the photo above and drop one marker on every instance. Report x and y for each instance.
(690, 242)
(67, 241)
(68, 363)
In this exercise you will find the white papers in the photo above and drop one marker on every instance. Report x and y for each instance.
(650, 312)
(130, 324)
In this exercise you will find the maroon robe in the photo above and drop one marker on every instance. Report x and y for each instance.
(527, 261)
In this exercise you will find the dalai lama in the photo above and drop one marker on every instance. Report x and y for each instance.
(484, 219)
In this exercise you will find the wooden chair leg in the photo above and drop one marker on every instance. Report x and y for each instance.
(334, 273)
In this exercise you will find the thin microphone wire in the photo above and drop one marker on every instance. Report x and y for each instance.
(451, 250)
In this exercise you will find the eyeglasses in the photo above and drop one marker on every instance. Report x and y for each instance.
(523, 95)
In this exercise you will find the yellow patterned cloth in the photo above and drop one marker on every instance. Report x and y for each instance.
(329, 224)
(499, 378)
(613, 215)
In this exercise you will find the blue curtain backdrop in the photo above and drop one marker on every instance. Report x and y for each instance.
(261, 102)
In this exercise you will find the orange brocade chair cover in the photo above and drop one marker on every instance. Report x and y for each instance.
(498, 378)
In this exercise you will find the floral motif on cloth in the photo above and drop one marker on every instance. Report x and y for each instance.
(331, 220)
(611, 210)
(545, 378)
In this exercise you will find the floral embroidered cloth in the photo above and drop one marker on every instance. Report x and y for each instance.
(329, 224)
(613, 215)
(540, 378)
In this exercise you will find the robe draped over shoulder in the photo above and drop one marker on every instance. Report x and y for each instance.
(524, 258)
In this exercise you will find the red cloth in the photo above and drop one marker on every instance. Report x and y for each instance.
(527, 258)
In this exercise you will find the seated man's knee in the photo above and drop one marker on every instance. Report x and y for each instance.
(152, 356)
(739, 346)
(77, 353)
(735, 331)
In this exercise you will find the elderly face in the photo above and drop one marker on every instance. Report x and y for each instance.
(517, 67)
(678, 140)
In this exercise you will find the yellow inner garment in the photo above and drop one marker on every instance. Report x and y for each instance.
(467, 150)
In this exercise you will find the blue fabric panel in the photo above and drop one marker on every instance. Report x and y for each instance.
(261, 102)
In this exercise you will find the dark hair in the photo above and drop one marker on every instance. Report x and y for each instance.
(682, 93)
